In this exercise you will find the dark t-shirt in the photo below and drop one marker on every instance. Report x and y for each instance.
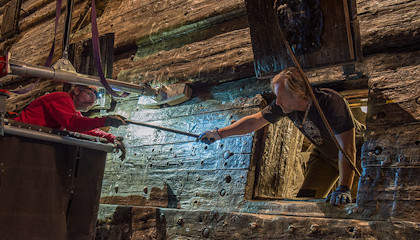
(336, 110)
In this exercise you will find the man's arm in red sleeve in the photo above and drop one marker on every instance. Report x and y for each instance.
(63, 110)
(99, 133)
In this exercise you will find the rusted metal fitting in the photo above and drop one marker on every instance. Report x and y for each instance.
(205, 233)
(377, 150)
(180, 221)
(314, 228)
(254, 225)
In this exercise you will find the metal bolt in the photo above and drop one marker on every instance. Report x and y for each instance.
(381, 115)
(180, 221)
(227, 154)
(377, 150)
(205, 233)
(254, 225)
(314, 228)
(222, 192)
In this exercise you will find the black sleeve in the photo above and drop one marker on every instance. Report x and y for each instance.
(339, 114)
(272, 112)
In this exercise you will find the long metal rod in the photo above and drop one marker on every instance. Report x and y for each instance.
(16, 131)
(162, 128)
(24, 69)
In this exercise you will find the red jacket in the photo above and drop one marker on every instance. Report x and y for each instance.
(56, 110)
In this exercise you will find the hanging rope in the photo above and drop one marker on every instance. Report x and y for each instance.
(97, 54)
(315, 101)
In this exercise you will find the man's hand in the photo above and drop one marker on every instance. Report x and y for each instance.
(209, 137)
(340, 196)
(119, 144)
(114, 121)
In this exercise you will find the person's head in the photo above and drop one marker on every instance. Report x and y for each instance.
(84, 97)
(290, 89)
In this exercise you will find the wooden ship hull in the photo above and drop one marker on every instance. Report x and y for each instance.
(173, 187)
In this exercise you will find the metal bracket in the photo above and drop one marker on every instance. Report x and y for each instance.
(64, 64)
(350, 72)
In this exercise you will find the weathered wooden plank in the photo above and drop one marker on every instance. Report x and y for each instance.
(389, 192)
(279, 169)
(168, 73)
(228, 55)
(241, 64)
(192, 188)
(151, 17)
(30, 6)
(230, 153)
(396, 146)
(393, 113)
(193, 32)
(11, 16)
(388, 24)
(34, 44)
(393, 97)
(193, 224)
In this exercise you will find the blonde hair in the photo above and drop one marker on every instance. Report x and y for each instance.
(294, 82)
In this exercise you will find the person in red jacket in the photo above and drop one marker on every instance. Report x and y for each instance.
(61, 110)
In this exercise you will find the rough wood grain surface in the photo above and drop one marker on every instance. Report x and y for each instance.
(205, 43)
(195, 175)
(158, 223)
(394, 96)
(390, 24)
(278, 167)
